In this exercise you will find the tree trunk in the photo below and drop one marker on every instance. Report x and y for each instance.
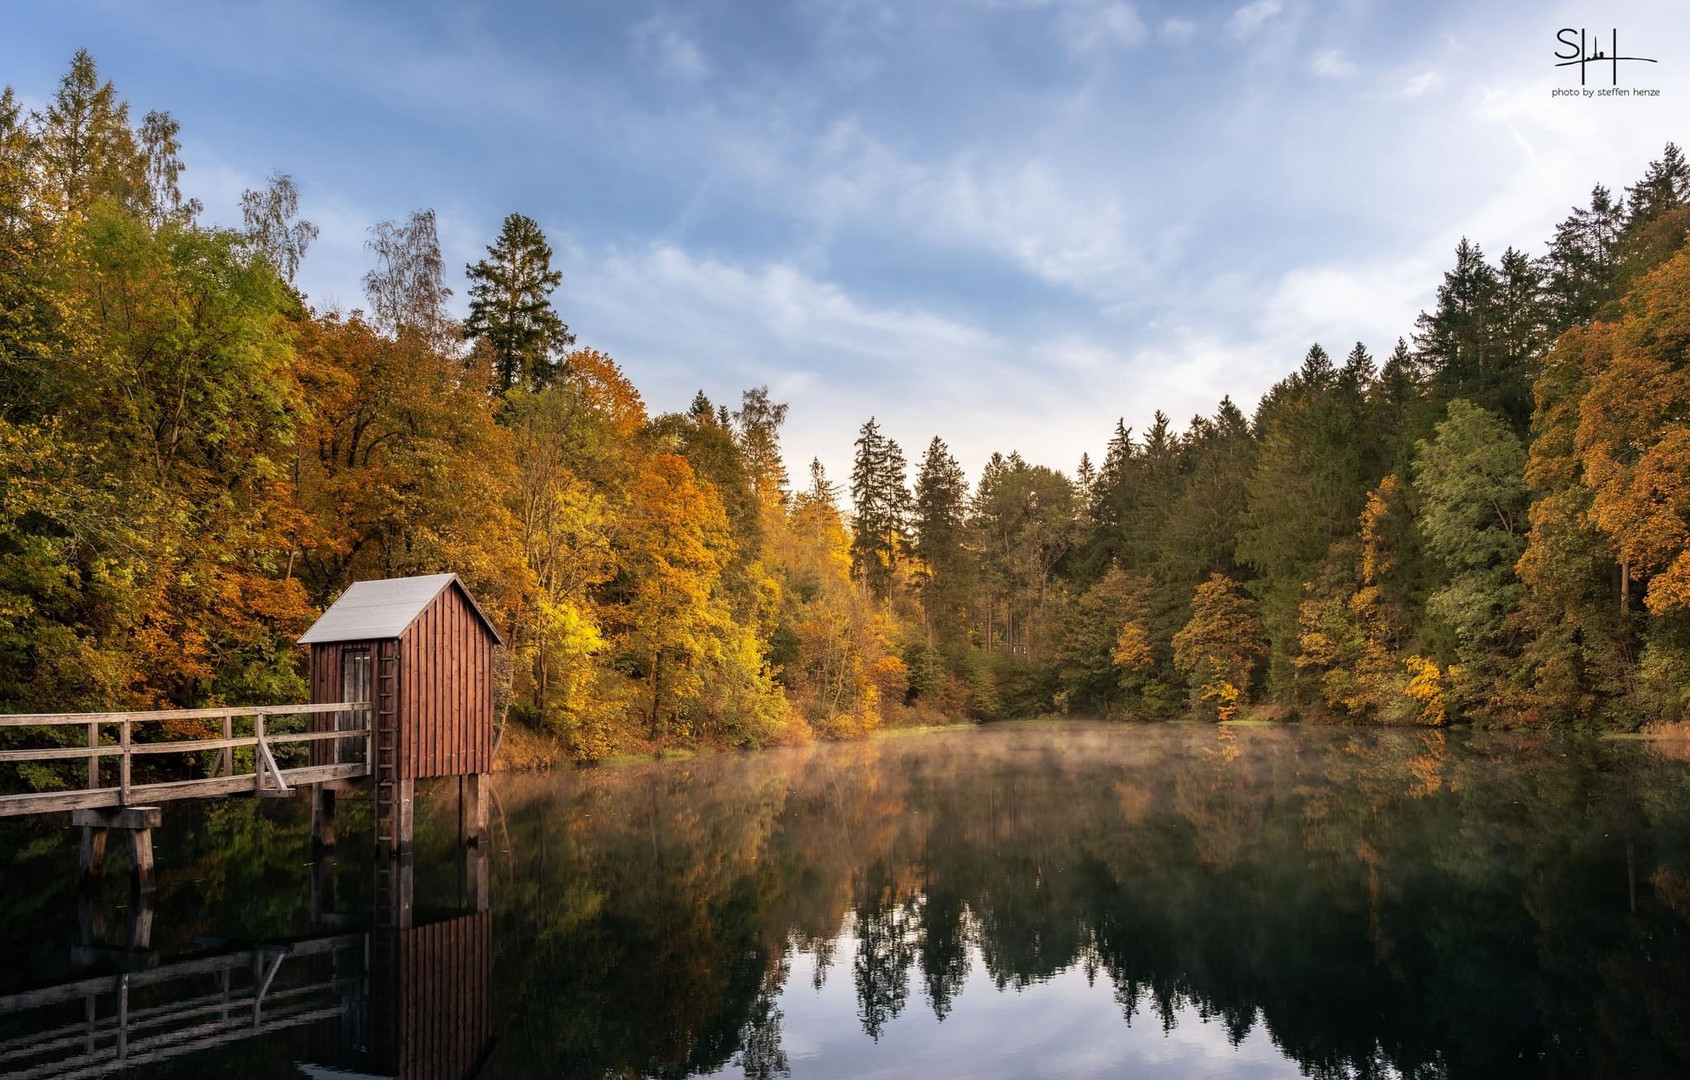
(656, 684)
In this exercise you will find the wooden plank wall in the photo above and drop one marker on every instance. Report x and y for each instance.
(445, 997)
(446, 692)
(325, 687)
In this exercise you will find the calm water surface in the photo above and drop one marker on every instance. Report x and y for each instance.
(1067, 900)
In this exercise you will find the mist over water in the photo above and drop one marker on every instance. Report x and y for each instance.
(1030, 899)
(1089, 900)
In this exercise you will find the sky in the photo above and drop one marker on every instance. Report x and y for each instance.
(1008, 223)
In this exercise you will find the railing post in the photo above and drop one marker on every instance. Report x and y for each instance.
(94, 756)
(370, 739)
(123, 765)
(258, 751)
(226, 756)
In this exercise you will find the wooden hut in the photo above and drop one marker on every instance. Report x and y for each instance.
(420, 650)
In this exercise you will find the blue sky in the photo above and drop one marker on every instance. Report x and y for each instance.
(1004, 222)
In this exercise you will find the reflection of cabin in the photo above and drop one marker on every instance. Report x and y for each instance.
(421, 650)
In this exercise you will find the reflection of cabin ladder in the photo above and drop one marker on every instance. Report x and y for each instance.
(385, 766)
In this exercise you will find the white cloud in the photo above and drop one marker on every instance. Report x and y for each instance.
(834, 357)
(1331, 64)
(1088, 26)
(1249, 18)
(663, 42)
(1420, 85)
(1175, 28)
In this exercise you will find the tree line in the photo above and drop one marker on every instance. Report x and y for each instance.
(1490, 525)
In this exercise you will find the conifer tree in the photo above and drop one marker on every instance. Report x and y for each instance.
(822, 491)
(1581, 269)
(1665, 187)
(941, 503)
(758, 424)
(880, 494)
(510, 306)
(1456, 338)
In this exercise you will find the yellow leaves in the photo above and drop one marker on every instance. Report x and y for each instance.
(1132, 648)
(1219, 648)
(1427, 768)
(1670, 590)
(596, 377)
(1374, 560)
(1225, 697)
(1426, 685)
(1633, 437)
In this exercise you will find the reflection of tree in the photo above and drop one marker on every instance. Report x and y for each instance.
(886, 950)
(760, 1053)
(1378, 902)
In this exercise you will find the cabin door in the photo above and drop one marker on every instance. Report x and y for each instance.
(354, 686)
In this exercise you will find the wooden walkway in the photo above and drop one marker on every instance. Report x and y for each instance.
(127, 736)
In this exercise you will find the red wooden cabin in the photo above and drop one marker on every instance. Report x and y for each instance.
(420, 650)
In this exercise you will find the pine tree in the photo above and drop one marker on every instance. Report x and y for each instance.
(880, 494)
(510, 306)
(941, 503)
(822, 491)
(758, 424)
(1665, 187)
(1580, 271)
(1305, 492)
(1456, 339)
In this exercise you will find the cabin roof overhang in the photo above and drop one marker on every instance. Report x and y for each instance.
(379, 610)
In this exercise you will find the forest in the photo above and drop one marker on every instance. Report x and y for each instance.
(1489, 525)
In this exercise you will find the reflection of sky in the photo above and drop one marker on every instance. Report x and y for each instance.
(1058, 1028)
(1006, 222)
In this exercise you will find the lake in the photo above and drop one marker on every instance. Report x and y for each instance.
(1027, 899)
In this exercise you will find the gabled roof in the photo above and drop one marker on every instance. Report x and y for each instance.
(378, 610)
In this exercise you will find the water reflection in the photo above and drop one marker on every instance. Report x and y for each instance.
(1247, 901)
(373, 992)
(1020, 900)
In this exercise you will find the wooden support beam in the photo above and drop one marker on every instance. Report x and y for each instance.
(404, 815)
(141, 856)
(475, 877)
(137, 823)
(115, 817)
(474, 799)
(93, 862)
(322, 817)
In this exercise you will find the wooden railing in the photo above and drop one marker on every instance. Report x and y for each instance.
(186, 1006)
(266, 778)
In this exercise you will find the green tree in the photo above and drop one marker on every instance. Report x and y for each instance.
(1305, 494)
(1473, 516)
(940, 521)
(510, 306)
(880, 494)
(87, 149)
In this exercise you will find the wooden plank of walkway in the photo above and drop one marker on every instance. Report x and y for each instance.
(267, 777)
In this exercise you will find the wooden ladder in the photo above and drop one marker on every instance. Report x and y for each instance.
(385, 767)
